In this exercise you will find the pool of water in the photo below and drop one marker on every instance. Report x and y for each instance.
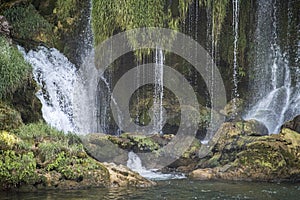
(175, 189)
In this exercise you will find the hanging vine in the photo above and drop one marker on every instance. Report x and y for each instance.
(109, 17)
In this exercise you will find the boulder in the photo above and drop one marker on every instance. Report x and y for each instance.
(293, 124)
(101, 147)
(243, 151)
(121, 176)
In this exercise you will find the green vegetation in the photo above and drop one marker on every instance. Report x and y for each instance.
(114, 16)
(142, 142)
(65, 9)
(111, 16)
(13, 68)
(28, 24)
(30, 153)
(17, 168)
(9, 118)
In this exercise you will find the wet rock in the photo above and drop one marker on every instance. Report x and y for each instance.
(294, 124)
(121, 176)
(188, 160)
(106, 148)
(203, 174)
(240, 151)
(230, 137)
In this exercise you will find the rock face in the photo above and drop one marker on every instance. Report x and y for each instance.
(107, 148)
(242, 151)
(293, 124)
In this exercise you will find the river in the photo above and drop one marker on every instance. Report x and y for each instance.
(175, 189)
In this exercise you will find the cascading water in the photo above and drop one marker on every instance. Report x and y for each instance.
(158, 91)
(273, 77)
(104, 105)
(211, 46)
(235, 25)
(135, 164)
(56, 77)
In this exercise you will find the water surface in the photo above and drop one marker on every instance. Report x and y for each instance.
(175, 189)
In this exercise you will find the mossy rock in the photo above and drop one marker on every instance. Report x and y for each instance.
(9, 118)
(33, 153)
(232, 138)
(272, 157)
(29, 28)
(238, 155)
(141, 143)
(25, 101)
(293, 124)
(233, 108)
(105, 148)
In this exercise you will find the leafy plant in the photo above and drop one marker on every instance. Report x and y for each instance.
(16, 168)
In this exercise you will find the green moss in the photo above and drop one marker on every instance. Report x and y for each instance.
(65, 9)
(28, 24)
(142, 142)
(25, 101)
(192, 150)
(214, 161)
(14, 70)
(39, 131)
(9, 118)
(291, 136)
(37, 150)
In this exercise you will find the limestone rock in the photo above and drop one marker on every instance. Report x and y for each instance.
(121, 176)
(203, 174)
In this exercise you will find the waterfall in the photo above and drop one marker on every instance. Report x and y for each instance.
(276, 99)
(86, 37)
(158, 91)
(68, 93)
(56, 77)
(235, 25)
(135, 164)
(104, 105)
(211, 46)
